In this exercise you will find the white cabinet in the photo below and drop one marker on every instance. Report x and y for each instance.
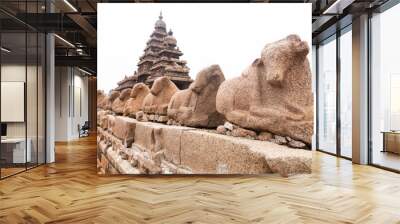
(17, 147)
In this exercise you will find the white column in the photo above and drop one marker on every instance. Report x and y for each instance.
(360, 90)
(314, 89)
(50, 100)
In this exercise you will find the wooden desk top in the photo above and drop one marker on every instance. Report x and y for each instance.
(391, 132)
(13, 140)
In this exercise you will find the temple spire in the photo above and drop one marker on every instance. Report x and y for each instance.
(160, 24)
(160, 58)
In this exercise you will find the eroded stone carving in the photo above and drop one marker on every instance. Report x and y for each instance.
(119, 103)
(274, 93)
(108, 101)
(135, 102)
(100, 99)
(195, 106)
(156, 102)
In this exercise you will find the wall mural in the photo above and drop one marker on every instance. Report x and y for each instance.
(161, 121)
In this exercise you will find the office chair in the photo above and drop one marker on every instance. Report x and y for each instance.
(84, 130)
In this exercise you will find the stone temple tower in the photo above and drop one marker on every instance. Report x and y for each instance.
(160, 58)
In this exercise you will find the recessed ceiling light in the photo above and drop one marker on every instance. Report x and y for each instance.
(70, 5)
(338, 6)
(64, 40)
(84, 71)
(5, 50)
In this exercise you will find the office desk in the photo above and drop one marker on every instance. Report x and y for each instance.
(13, 150)
(391, 141)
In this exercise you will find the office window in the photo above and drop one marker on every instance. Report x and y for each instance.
(22, 93)
(327, 95)
(346, 93)
(385, 89)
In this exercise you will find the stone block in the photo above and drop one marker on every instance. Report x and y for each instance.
(210, 153)
(236, 156)
(287, 161)
(124, 129)
(144, 135)
(144, 161)
(169, 138)
(206, 152)
(124, 167)
(172, 142)
(110, 121)
(199, 151)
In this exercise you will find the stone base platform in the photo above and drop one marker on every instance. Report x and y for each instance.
(128, 146)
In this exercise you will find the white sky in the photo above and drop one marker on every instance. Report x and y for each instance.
(231, 35)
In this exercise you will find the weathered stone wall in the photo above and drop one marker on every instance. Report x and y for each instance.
(127, 146)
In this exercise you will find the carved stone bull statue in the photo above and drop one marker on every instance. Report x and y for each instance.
(100, 99)
(119, 103)
(274, 93)
(156, 102)
(195, 106)
(109, 100)
(135, 102)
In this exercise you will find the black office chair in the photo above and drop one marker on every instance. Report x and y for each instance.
(84, 130)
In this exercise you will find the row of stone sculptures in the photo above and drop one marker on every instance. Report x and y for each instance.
(273, 94)
(194, 107)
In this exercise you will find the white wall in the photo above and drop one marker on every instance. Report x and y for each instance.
(80, 110)
(62, 82)
(14, 72)
(17, 72)
(71, 94)
(34, 125)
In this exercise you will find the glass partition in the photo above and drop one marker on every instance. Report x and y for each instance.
(334, 95)
(385, 89)
(346, 92)
(327, 95)
(31, 99)
(41, 96)
(14, 155)
(22, 77)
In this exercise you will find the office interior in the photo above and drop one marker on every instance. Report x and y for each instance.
(357, 86)
(45, 89)
(48, 76)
